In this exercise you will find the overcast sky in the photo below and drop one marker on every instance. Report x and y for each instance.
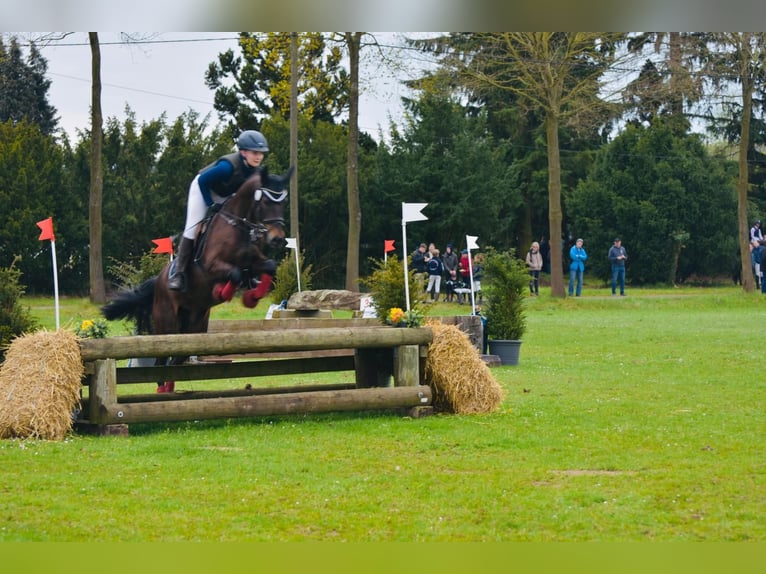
(167, 75)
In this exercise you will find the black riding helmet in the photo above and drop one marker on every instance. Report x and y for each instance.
(252, 140)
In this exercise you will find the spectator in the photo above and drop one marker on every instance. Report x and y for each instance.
(478, 272)
(534, 262)
(449, 261)
(577, 255)
(756, 249)
(756, 233)
(617, 257)
(435, 272)
(762, 263)
(419, 267)
(545, 253)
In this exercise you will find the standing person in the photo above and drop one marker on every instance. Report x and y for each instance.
(435, 272)
(210, 187)
(478, 273)
(449, 261)
(577, 267)
(763, 265)
(534, 262)
(756, 233)
(617, 257)
(419, 267)
(545, 253)
(756, 249)
(464, 268)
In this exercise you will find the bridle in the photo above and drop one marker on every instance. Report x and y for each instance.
(256, 229)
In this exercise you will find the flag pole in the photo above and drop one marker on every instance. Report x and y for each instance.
(292, 243)
(404, 259)
(55, 281)
(470, 241)
(410, 212)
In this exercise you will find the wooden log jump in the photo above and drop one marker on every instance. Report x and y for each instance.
(398, 353)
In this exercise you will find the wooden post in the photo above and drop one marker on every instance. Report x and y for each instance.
(407, 366)
(102, 391)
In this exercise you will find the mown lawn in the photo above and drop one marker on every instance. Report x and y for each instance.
(627, 419)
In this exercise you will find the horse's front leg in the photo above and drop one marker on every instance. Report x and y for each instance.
(230, 279)
(267, 270)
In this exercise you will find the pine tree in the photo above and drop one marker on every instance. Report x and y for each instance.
(24, 87)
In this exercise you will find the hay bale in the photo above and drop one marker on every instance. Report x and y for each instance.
(460, 381)
(40, 384)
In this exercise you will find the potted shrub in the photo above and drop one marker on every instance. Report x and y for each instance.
(504, 284)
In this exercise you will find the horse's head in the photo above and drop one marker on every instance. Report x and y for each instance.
(269, 207)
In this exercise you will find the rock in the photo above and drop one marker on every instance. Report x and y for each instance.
(325, 299)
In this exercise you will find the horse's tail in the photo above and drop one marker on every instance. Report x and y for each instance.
(135, 304)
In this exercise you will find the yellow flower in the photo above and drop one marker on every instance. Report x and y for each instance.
(87, 324)
(395, 315)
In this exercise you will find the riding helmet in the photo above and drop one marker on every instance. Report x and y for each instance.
(252, 140)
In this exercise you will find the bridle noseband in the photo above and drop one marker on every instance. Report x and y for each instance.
(257, 229)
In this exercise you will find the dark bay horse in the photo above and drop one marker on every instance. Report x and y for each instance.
(231, 251)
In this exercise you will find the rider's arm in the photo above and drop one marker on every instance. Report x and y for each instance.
(220, 171)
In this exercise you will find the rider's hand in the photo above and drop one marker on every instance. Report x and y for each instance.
(214, 208)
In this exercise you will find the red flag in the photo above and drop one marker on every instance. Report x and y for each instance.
(46, 225)
(388, 245)
(164, 245)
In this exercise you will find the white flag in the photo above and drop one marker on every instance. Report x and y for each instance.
(471, 241)
(411, 212)
(292, 243)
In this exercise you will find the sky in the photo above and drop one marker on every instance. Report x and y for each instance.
(167, 75)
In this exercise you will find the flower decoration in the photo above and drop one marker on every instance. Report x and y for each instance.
(398, 318)
(395, 316)
(92, 329)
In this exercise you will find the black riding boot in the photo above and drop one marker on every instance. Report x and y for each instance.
(177, 281)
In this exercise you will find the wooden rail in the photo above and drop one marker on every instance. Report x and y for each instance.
(377, 354)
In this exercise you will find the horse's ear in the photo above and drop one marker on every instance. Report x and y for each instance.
(289, 174)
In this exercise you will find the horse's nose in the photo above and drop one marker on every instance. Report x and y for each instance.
(278, 242)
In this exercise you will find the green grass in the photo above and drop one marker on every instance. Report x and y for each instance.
(627, 419)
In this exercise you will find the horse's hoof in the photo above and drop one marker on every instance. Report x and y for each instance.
(166, 387)
(224, 292)
(249, 299)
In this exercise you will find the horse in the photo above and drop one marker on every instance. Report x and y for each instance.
(231, 251)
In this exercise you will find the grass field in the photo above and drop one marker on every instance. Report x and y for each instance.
(628, 419)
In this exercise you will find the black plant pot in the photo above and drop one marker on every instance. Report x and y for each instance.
(507, 350)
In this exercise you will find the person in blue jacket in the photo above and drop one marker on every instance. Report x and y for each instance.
(577, 257)
(209, 189)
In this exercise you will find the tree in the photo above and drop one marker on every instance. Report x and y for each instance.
(743, 61)
(24, 87)
(665, 86)
(353, 43)
(256, 84)
(95, 216)
(557, 74)
(669, 200)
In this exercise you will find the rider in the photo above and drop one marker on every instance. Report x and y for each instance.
(210, 187)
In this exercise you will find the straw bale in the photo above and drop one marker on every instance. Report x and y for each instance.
(460, 381)
(40, 383)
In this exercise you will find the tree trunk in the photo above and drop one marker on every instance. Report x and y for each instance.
(353, 40)
(748, 282)
(95, 199)
(294, 214)
(554, 204)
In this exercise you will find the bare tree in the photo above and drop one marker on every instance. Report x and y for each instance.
(743, 61)
(353, 44)
(558, 74)
(96, 195)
